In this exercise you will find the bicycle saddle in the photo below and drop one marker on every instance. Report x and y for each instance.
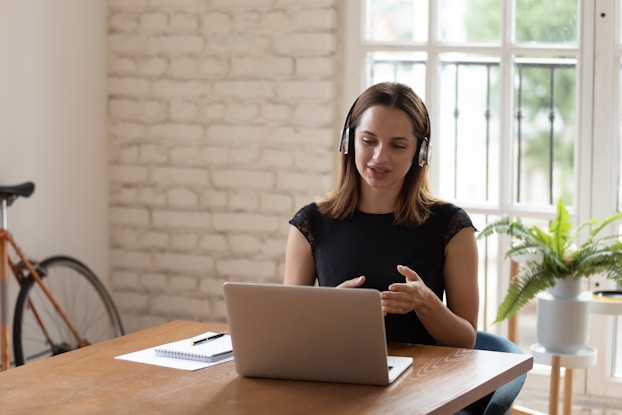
(10, 193)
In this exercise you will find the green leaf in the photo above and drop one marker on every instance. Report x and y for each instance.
(525, 286)
(560, 229)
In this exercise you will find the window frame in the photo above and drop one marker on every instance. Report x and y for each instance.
(597, 147)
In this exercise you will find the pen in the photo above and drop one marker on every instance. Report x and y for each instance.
(206, 339)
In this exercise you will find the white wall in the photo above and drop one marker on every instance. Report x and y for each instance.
(222, 119)
(53, 126)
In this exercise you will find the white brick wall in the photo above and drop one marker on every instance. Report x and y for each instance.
(222, 124)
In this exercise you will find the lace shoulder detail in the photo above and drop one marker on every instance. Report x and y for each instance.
(458, 221)
(302, 221)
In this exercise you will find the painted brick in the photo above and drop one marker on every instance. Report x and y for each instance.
(127, 4)
(307, 90)
(183, 262)
(179, 175)
(315, 66)
(185, 22)
(128, 129)
(152, 196)
(127, 43)
(245, 89)
(131, 173)
(154, 282)
(123, 236)
(245, 222)
(155, 239)
(313, 114)
(154, 110)
(177, 43)
(178, 305)
(129, 216)
(151, 66)
(153, 22)
(128, 86)
(246, 268)
(180, 284)
(221, 125)
(127, 259)
(183, 241)
(181, 219)
(305, 43)
(214, 243)
(170, 88)
(131, 301)
(183, 66)
(153, 153)
(182, 198)
(184, 111)
(125, 280)
(276, 202)
(176, 131)
(242, 179)
(216, 22)
(214, 198)
(244, 202)
(277, 158)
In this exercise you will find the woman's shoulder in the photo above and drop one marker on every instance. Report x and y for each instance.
(308, 210)
(453, 217)
(446, 209)
(305, 215)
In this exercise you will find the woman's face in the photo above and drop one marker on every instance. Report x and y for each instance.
(385, 147)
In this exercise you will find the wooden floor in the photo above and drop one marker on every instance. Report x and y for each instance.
(581, 405)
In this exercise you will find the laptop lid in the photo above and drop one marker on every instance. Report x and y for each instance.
(310, 333)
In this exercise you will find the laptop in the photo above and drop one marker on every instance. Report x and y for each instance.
(310, 333)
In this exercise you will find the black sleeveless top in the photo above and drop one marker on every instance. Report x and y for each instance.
(372, 245)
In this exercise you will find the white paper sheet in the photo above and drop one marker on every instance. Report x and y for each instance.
(148, 356)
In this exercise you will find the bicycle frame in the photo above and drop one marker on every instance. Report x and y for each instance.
(7, 240)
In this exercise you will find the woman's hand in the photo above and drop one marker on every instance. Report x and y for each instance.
(353, 283)
(402, 298)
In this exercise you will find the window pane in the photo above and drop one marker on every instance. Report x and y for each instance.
(397, 20)
(469, 128)
(489, 278)
(545, 130)
(620, 141)
(617, 348)
(470, 20)
(551, 21)
(406, 67)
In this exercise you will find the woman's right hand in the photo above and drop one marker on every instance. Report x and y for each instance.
(353, 283)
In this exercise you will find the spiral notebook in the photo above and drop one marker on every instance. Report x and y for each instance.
(206, 347)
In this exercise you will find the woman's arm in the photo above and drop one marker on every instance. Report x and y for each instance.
(452, 325)
(299, 262)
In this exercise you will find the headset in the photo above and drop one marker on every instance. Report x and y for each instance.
(346, 142)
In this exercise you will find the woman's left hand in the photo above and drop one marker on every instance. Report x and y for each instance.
(402, 298)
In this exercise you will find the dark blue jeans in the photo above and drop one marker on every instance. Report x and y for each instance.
(500, 401)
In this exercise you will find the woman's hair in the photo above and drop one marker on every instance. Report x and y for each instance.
(415, 199)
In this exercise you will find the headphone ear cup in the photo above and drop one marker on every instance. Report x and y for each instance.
(344, 141)
(423, 156)
(347, 140)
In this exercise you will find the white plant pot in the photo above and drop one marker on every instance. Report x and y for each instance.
(563, 317)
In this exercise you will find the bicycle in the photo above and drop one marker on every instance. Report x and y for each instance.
(62, 305)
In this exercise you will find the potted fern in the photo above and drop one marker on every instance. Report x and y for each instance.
(549, 260)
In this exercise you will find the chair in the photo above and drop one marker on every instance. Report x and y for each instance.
(500, 401)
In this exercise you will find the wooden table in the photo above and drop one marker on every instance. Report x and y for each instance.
(442, 380)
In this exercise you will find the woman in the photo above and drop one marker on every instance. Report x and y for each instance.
(381, 227)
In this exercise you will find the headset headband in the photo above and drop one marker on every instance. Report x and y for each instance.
(424, 148)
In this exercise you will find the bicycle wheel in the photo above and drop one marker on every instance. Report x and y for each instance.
(80, 295)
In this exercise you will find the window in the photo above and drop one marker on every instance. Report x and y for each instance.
(518, 109)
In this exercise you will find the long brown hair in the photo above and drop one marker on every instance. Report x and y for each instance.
(415, 199)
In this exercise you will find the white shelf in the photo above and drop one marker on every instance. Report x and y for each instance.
(582, 359)
(605, 305)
